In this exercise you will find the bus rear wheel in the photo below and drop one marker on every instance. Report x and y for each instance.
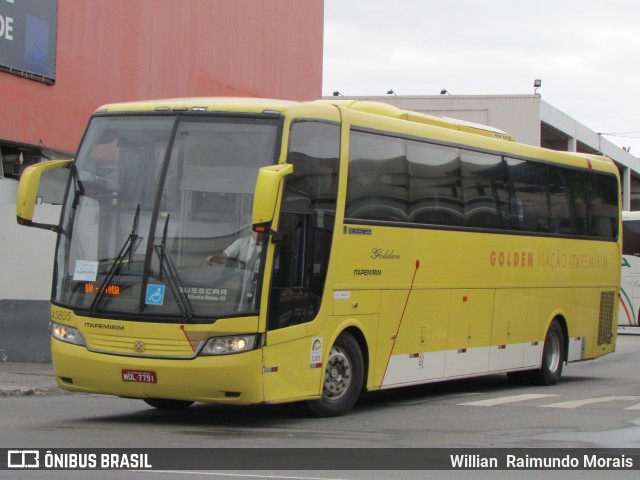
(553, 355)
(343, 378)
(166, 404)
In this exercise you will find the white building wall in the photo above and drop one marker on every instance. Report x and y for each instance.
(628, 164)
(518, 115)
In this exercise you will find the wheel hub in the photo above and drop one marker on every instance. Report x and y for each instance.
(337, 375)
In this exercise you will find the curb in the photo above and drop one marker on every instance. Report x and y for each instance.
(19, 391)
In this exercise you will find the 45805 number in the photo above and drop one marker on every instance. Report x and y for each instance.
(60, 315)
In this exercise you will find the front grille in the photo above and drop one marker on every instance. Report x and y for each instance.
(140, 346)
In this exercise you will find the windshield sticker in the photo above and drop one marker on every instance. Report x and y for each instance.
(316, 352)
(155, 295)
(85, 271)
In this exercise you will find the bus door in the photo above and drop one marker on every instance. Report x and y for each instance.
(289, 366)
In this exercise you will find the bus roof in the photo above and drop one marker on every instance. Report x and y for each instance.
(260, 105)
(483, 133)
(386, 110)
(211, 104)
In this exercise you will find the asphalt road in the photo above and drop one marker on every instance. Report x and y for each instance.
(596, 405)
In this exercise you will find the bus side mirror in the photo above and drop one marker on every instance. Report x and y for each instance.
(28, 191)
(266, 195)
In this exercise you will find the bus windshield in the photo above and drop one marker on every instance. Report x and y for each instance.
(151, 199)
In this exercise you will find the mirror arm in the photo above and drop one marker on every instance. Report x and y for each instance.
(44, 226)
(265, 228)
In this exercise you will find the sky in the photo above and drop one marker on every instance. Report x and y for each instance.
(586, 52)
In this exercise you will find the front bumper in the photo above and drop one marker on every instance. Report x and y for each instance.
(229, 379)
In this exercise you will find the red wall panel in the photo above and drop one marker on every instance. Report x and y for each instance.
(119, 50)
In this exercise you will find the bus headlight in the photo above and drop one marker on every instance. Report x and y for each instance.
(229, 345)
(67, 334)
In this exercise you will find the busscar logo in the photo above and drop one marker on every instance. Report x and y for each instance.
(23, 459)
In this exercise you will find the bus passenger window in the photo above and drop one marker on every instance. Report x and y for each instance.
(563, 219)
(485, 190)
(435, 184)
(603, 205)
(578, 192)
(529, 182)
(378, 185)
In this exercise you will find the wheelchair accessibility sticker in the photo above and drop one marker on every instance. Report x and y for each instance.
(155, 295)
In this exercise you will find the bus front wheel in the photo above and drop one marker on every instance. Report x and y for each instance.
(343, 378)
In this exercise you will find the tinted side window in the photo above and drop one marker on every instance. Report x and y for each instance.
(306, 224)
(577, 185)
(415, 182)
(530, 205)
(603, 205)
(485, 190)
(631, 236)
(563, 219)
(378, 186)
(435, 188)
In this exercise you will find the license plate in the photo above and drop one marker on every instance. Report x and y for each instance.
(140, 376)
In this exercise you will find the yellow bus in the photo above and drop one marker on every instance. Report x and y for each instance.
(386, 249)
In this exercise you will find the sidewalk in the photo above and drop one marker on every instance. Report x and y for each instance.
(27, 379)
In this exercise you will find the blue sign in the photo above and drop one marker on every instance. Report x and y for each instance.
(28, 37)
(155, 295)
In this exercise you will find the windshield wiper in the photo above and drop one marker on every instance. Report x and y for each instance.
(173, 279)
(126, 251)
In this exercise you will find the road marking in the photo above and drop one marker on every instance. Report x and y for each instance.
(587, 401)
(513, 398)
(436, 398)
(634, 407)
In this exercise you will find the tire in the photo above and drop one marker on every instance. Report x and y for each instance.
(343, 379)
(166, 404)
(553, 355)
